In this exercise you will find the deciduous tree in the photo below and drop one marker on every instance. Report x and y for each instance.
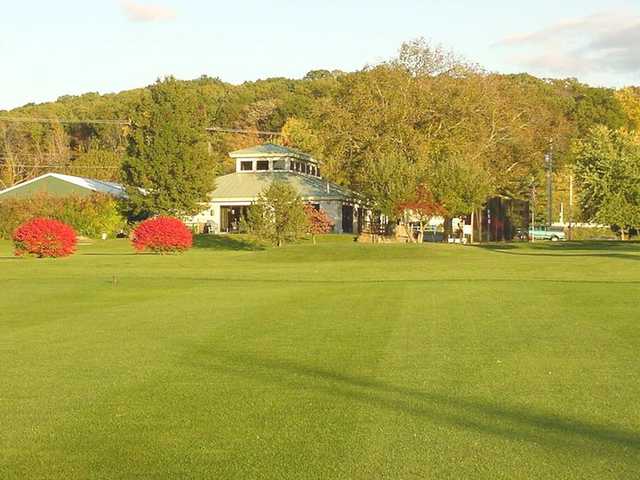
(278, 216)
(608, 170)
(629, 98)
(421, 207)
(318, 222)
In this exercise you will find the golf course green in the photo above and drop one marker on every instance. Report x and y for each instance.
(331, 361)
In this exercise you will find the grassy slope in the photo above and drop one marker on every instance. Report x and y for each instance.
(334, 361)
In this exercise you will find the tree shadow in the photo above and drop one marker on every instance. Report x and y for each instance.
(597, 245)
(496, 246)
(470, 413)
(100, 254)
(412, 281)
(225, 242)
(608, 249)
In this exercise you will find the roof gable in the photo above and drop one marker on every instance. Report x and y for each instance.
(89, 184)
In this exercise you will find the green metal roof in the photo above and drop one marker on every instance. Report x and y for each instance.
(270, 150)
(59, 185)
(247, 186)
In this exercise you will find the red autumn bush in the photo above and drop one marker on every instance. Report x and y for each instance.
(318, 220)
(44, 237)
(162, 235)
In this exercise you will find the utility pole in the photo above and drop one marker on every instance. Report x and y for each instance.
(532, 206)
(571, 206)
(548, 161)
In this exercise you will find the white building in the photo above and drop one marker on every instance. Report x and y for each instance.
(256, 168)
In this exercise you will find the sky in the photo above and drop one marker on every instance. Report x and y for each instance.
(50, 48)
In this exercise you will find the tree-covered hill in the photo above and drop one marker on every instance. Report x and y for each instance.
(384, 129)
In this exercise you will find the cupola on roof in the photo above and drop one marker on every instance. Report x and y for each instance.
(270, 150)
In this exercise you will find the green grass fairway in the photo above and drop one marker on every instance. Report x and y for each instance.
(335, 361)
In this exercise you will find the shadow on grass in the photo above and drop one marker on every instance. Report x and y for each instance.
(413, 281)
(604, 249)
(225, 242)
(469, 413)
(100, 254)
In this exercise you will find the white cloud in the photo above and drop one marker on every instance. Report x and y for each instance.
(601, 43)
(146, 13)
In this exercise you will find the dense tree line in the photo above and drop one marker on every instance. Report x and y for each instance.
(424, 120)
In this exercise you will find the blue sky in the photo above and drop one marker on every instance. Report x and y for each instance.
(56, 47)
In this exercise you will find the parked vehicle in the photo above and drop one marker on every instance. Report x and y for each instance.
(521, 234)
(542, 232)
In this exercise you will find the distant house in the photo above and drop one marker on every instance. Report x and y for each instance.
(257, 168)
(59, 185)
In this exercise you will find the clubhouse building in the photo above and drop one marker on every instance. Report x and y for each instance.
(258, 167)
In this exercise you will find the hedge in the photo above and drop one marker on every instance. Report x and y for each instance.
(90, 216)
(592, 233)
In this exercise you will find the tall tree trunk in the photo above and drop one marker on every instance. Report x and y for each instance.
(473, 225)
(407, 228)
(448, 228)
(409, 231)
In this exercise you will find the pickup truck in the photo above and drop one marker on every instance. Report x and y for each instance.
(542, 232)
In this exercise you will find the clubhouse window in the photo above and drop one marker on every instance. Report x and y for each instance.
(279, 165)
(246, 166)
(262, 165)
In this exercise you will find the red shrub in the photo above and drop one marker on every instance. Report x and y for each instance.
(318, 220)
(44, 237)
(162, 235)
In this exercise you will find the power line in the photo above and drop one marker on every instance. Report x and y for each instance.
(23, 165)
(39, 155)
(240, 130)
(127, 122)
(30, 156)
(62, 120)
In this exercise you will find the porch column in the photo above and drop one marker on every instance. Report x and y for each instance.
(216, 217)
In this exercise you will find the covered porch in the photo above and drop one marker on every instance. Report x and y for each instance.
(231, 217)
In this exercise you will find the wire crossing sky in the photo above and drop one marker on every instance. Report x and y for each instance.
(51, 48)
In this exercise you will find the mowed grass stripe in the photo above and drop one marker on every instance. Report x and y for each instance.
(330, 361)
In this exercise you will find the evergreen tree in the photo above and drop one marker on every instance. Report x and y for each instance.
(167, 169)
